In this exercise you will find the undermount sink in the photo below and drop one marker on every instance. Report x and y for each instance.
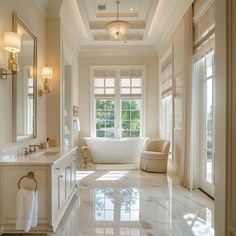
(6, 158)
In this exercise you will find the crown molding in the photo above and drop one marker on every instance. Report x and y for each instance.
(49, 8)
(176, 16)
(203, 9)
(119, 51)
(42, 5)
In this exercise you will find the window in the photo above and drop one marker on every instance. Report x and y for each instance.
(130, 117)
(204, 110)
(167, 99)
(117, 102)
(209, 118)
(30, 105)
(105, 118)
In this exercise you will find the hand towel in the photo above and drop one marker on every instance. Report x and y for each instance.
(26, 209)
(35, 210)
(76, 124)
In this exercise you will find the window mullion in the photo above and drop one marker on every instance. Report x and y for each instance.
(117, 102)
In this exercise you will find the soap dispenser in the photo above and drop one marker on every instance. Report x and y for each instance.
(47, 143)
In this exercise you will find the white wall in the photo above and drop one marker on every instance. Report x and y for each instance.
(54, 59)
(34, 19)
(69, 50)
(152, 90)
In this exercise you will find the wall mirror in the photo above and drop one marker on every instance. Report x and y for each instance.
(25, 84)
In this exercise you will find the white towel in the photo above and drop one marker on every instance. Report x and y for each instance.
(76, 124)
(26, 209)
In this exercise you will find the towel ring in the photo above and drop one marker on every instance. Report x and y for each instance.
(30, 176)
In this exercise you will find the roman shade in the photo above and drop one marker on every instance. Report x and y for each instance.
(131, 83)
(166, 77)
(203, 28)
(104, 83)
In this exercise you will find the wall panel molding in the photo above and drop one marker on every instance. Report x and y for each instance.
(231, 120)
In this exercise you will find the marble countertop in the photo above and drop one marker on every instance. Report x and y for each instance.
(42, 157)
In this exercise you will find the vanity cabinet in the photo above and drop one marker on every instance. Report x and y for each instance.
(63, 183)
(56, 185)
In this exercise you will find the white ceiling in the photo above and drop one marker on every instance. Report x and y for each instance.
(151, 23)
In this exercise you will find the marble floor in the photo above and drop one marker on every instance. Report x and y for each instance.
(131, 202)
(136, 203)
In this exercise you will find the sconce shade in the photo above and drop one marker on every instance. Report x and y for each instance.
(12, 42)
(47, 72)
(31, 72)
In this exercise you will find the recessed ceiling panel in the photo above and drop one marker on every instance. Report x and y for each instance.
(98, 13)
(125, 6)
(150, 20)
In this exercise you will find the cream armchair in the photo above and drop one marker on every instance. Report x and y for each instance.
(155, 158)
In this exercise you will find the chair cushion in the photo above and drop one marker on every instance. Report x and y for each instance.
(158, 165)
(153, 155)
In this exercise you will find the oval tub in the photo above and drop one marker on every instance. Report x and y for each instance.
(122, 150)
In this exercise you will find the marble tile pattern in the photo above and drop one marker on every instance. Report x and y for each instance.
(41, 157)
(130, 202)
(136, 203)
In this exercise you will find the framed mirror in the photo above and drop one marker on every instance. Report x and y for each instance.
(25, 84)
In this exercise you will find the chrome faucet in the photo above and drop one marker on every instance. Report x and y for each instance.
(26, 151)
(32, 148)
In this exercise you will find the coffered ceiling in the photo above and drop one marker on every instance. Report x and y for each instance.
(98, 13)
(151, 23)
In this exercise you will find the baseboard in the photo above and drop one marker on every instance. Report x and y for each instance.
(206, 194)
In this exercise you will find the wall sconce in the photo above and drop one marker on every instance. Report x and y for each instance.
(12, 44)
(31, 72)
(46, 74)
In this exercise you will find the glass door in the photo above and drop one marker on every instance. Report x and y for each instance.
(207, 166)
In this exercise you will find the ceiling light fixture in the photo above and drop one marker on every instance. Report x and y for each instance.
(118, 29)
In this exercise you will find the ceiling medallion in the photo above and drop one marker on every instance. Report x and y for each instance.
(117, 29)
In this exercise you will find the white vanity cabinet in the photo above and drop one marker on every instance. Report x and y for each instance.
(63, 185)
(56, 185)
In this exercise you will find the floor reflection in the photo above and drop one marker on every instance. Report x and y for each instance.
(201, 223)
(122, 231)
(104, 204)
(137, 204)
(116, 204)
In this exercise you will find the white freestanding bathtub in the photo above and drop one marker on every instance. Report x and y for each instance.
(122, 150)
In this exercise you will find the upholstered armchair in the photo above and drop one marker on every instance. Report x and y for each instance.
(155, 158)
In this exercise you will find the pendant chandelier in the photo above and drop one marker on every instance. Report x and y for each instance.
(117, 29)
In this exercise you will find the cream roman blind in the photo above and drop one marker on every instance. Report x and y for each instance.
(166, 77)
(104, 83)
(204, 28)
(131, 83)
